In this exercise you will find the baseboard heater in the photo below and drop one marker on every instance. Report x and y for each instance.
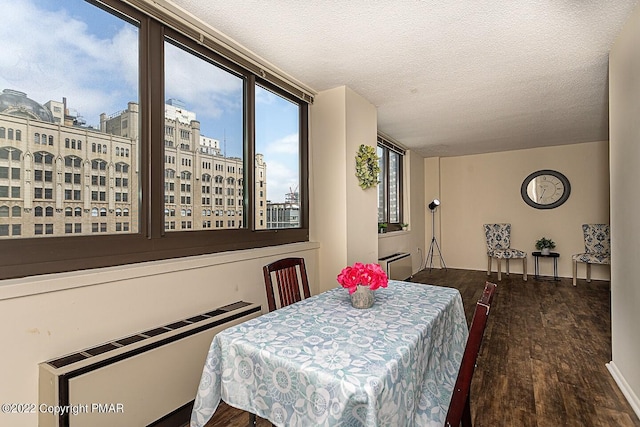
(397, 266)
(135, 380)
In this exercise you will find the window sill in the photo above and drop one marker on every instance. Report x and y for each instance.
(25, 286)
(393, 234)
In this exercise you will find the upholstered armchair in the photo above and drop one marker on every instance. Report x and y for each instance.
(597, 248)
(499, 247)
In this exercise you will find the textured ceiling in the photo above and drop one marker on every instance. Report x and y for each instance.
(448, 78)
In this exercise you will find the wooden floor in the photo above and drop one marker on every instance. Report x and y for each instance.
(542, 362)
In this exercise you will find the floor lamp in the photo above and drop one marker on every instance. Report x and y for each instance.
(434, 243)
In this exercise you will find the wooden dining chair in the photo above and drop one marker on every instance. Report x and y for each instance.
(460, 407)
(290, 284)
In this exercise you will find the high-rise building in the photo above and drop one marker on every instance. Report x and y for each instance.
(203, 189)
(59, 176)
(284, 215)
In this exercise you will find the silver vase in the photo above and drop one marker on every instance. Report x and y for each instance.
(362, 297)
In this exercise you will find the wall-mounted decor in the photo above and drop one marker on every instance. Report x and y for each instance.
(545, 189)
(367, 168)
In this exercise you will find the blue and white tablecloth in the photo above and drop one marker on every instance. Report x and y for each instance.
(321, 362)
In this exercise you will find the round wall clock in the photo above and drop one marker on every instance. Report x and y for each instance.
(545, 189)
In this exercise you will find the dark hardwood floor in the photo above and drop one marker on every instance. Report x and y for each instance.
(542, 362)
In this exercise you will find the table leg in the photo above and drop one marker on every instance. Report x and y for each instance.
(536, 265)
(555, 269)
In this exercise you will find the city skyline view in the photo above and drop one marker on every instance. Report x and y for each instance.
(75, 51)
(57, 177)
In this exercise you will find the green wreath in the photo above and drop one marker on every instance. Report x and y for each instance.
(367, 168)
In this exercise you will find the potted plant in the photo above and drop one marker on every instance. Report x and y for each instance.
(382, 227)
(545, 245)
(404, 226)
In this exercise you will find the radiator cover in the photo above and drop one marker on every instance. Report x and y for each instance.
(135, 380)
(397, 266)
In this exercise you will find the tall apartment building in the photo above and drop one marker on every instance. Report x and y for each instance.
(59, 176)
(284, 214)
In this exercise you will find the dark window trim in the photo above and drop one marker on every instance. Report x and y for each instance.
(303, 126)
(386, 143)
(33, 256)
(200, 35)
(388, 146)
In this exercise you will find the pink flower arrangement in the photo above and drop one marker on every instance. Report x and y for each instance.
(371, 275)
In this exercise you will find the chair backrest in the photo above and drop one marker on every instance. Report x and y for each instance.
(291, 284)
(459, 405)
(498, 236)
(597, 239)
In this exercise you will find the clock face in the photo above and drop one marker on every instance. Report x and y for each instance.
(545, 189)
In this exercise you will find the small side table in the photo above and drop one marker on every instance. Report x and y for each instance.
(536, 258)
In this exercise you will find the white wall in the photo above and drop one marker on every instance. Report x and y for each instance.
(49, 316)
(485, 188)
(344, 216)
(362, 205)
(327, 171)
(432, 219)
(624, 110)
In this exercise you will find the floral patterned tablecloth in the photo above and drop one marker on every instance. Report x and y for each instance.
(321, 362)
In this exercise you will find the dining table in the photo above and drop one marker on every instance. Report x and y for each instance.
(322, 362)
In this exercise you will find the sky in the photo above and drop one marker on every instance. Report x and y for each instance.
(53, 49)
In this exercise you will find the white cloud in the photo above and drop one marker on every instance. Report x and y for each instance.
(210, 90)
(52, 54)
(281, 178)
(283, 166)
(50, 50)
(266, 97)
(289, 144)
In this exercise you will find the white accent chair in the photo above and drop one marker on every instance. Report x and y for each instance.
(597, 248)
(499, 247)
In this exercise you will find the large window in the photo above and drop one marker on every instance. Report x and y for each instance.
(390, 201)
(205, 119)
(277, 166)
(188, 148)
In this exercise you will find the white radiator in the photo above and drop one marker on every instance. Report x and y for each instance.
(136, 380)
(397, 266)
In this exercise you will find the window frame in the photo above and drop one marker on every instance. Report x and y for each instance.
(40, 255)
(388, 147)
